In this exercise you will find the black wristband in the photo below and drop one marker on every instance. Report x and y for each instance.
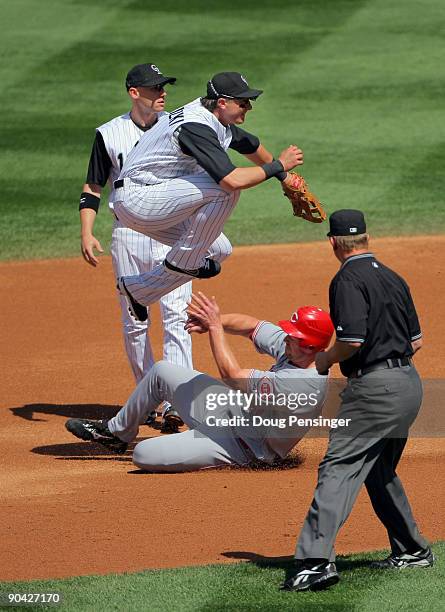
(273, 168)
(281, 176)
(88, 200)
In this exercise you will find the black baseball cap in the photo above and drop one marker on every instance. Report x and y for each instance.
(346, 222)
(230, 85)
(146, 75)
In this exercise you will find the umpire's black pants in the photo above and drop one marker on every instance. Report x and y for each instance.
(382, 406)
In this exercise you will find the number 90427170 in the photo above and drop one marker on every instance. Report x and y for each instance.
(23, 599)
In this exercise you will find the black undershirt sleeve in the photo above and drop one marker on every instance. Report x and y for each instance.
(201, 142)
(243, 141)
(100, 163)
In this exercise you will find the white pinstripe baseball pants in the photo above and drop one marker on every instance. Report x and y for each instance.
(133, 253)
(186, 213)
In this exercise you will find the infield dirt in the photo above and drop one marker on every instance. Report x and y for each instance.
(69, 509)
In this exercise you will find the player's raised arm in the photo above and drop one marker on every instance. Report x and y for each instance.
(243, 178)
(234, 323)
(239, 324)
(206, 311)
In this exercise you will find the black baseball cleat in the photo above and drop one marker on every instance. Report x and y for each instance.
(151, 418)
(138, 311)
(210, 269)
(421, 558)
(311, 577)
(96, 431)
(171, 421)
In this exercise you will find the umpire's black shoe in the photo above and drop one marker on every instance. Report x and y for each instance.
(311, 577)
(138, 311)
(210, 269)
(96, 431)
(421, 558)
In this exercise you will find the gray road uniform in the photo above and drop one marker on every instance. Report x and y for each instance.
(253, 431)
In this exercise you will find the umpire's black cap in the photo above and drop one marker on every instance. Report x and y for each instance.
(346, 222)
(230, 85)
(146, 75)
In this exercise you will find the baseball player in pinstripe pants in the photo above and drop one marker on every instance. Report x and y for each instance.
(179, 186)
(131, 251)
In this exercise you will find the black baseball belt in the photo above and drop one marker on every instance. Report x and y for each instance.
(119, 183)
(386, 364)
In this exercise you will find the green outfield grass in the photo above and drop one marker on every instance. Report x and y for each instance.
(250, 586)
(357, 84)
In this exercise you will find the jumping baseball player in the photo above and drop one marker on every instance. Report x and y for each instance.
(179, 186)
(250, 421)
(132, 252)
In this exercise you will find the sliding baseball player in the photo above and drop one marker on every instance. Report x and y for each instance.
(247, 417)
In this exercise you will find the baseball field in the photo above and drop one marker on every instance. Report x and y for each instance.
(358, 85)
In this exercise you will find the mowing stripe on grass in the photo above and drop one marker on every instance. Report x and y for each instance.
(251, 586)
(356, 83)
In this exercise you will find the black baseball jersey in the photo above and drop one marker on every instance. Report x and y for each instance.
(372, 305)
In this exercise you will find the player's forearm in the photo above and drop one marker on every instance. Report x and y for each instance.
(88, 215)
(87, 218)
(417, 344)
(341, 351)
(261, 156)
(239, 324)
(226, 361)
(243, 178)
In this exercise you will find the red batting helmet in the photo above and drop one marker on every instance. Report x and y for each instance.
(311, 325)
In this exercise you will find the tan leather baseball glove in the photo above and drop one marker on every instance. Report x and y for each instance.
(304, 203)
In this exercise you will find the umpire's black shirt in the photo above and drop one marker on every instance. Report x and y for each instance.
(371, 304)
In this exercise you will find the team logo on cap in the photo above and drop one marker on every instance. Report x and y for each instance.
(155, 68)
(352, 230)
(294, 317)
(244, 79)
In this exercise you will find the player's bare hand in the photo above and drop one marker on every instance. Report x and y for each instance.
(87, 245)
(291, 157)
(194, 326)
(205, 309)
(322, 363)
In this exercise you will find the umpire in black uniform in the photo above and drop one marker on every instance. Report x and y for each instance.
(377, 333)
